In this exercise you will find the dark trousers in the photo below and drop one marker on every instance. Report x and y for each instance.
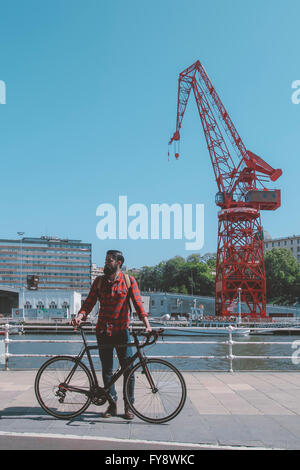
(110, 343)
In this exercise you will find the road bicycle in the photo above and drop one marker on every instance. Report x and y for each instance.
(65, 386)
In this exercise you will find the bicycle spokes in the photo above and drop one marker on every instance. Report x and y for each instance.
(159, 392)
(60, 397)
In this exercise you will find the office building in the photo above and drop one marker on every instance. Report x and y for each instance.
(58, 263)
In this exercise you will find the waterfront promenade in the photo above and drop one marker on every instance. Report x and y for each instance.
(223, 411)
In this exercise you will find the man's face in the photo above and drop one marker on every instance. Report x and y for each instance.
(111, 265)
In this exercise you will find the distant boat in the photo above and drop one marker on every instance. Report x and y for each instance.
(210, 329)
(13, 331)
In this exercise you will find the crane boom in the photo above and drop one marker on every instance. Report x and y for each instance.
(234, 180)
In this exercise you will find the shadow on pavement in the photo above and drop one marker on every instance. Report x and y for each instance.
(37, 414)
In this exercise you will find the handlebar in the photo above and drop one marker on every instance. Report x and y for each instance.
(154, 333)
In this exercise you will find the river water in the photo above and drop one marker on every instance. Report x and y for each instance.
(164, 349)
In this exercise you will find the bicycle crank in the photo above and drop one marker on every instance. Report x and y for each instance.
(98, 397)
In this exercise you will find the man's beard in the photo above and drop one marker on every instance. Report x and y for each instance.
(109, 270)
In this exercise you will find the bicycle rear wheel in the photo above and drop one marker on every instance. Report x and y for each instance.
(63, 390)
(159, 391)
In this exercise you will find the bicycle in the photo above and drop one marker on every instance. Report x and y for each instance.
(65, 386)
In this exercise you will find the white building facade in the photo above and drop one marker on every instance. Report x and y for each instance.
(50, 304)
(290, 243)
(96, 271)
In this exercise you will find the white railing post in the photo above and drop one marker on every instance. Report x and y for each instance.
(230, 343)
(6, 341)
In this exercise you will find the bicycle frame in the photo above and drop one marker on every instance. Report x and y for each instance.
(86, 350)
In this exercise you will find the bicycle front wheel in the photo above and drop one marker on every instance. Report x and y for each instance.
(63, 388)
(159, 391)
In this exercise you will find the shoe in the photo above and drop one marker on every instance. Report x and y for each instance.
(111, 410)
(128, 413)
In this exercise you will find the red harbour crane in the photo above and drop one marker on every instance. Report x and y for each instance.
(241, 176)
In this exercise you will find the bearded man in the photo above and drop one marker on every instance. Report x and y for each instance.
(113, 290)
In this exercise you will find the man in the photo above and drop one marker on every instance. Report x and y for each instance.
(113, 321)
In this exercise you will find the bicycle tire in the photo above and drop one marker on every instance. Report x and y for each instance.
(57, 402)
(163, 404)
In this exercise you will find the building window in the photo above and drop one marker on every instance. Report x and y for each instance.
(27, 304)
(65, 305)
(40, 304)
(52, 304)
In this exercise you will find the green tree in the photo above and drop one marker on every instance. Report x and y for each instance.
(149, 278)
(191, 276)
(212, 261)
(201, 277)
(194, 258)
(282, 276)
(171, 273)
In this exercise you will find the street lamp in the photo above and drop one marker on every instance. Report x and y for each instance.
(21, 273)
(192, 282)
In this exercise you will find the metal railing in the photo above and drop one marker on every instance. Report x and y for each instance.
(230, 357)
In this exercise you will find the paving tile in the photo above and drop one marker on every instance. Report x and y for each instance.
(117, 429)
(269, 431)
(158, 432)
(229, 429)
(5, 399)
(240, 387)
(205, 402)
(290, 423)
(196, 435)
(293, 379)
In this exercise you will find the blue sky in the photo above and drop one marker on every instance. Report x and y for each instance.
(91, 105)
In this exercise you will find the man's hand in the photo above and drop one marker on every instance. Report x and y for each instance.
(77, 320)
(147, 325)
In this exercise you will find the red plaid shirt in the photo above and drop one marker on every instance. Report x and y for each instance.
(113, 313)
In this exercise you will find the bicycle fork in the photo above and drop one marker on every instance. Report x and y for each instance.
(148, 375)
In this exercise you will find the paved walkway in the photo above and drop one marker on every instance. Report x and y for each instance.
(223, 410)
